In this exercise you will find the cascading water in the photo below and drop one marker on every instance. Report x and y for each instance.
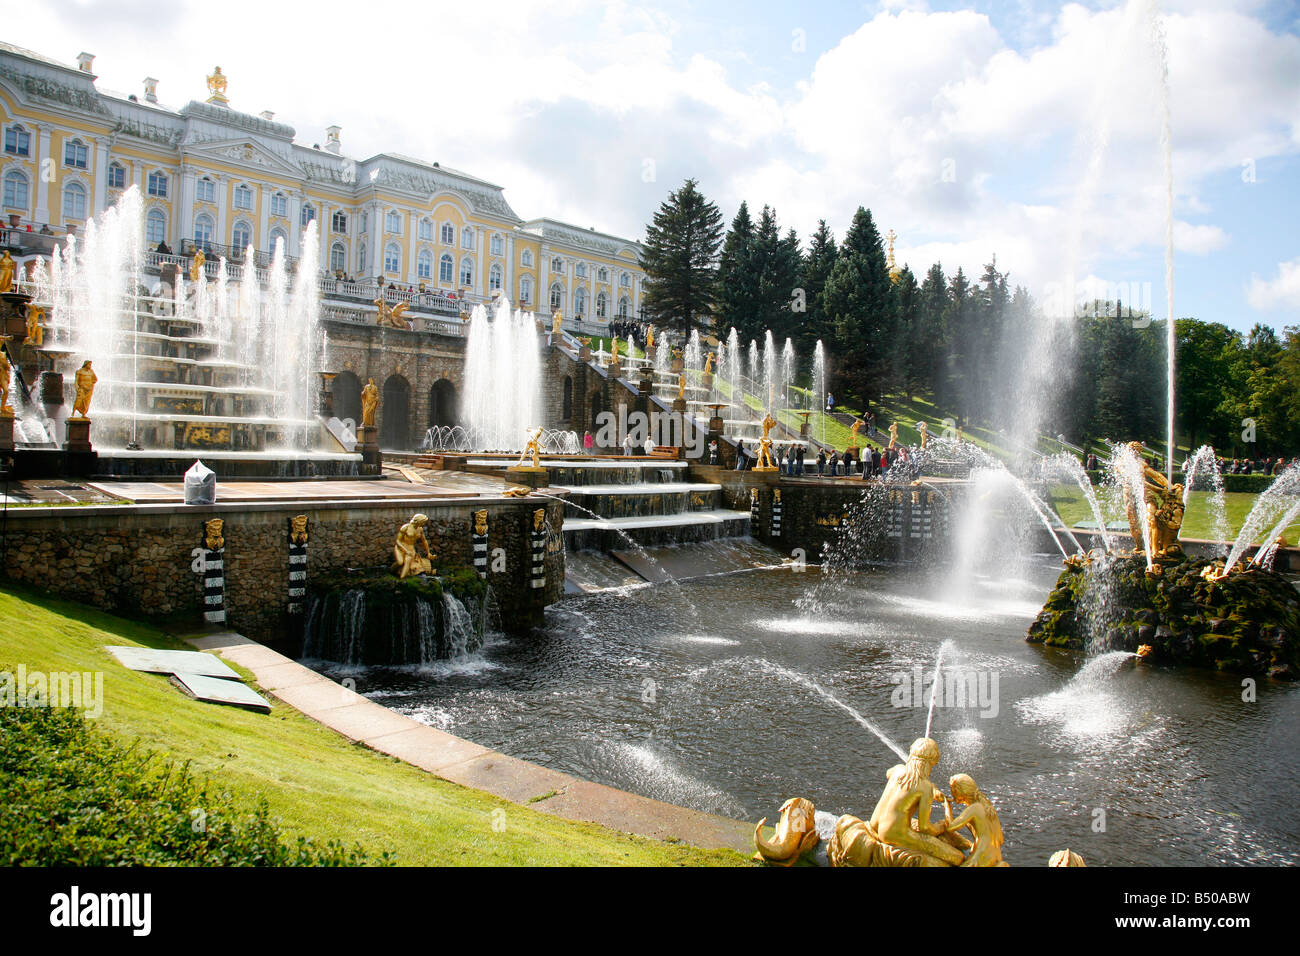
(1277, 501)
(1205, 463)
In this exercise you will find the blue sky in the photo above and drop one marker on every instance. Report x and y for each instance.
(1027, 129)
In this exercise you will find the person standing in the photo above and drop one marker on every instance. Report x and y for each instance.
(649, 445)
(588, 442)
(740, 455)
(629, 445)
(821, 462)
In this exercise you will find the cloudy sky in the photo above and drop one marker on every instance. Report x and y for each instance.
(1027, 129)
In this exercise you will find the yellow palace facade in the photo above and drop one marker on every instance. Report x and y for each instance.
(221, 180)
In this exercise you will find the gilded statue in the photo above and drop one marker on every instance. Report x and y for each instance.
(765, 462)
(981, 819)
(369, 404)
(391, 317)
(196, 265)
(539, 519)
(532, 454)
(853, 433)
(650, 338)
(925, 434)
(407, 560)
(613, 354)
(1164, 508)
(7, 267)
(557, 322)
(217, 87)
(212, 534)
(518, 491)
(1066, 857)
(796, 834)
(681, 386)
(893, 436)
(298, 529)
(6, 374)
(35, 331)
(84, 383)
(708, 363)
(480, 522)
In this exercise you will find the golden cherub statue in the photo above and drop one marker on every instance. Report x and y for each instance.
(84, 383)
(369, 404)
(298, 529)
(35, 331)
(481, 522)
(893, 435)
(532, 454)
(7, 268)
(765, 462)
(196, 265)
(1164, 507)
(6, 374)
(407, 560)
(925, 434)
(391, 317)
(213, 539)
(557, 322)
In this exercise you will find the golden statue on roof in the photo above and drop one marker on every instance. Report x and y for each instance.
(894, 271)
(217, 87)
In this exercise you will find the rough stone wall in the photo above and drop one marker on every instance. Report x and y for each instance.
(138, 560)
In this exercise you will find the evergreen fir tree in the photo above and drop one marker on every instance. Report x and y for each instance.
(680, 259)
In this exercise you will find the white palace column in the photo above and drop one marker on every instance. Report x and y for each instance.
(508, 270)
(100, 165)
(42, 182)
(295, 223)
(264, 222)
(184, 211)
(223, 207)
(412, 247)
(480, 280)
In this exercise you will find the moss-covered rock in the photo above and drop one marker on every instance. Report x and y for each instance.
(1247, 623)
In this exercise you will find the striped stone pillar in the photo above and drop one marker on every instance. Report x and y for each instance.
(776, 512)
(212, 565)
(479, 540)
(753, 509)
(539, 548)
(297, 564)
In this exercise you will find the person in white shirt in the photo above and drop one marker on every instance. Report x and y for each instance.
(628, 445)
(649, 445)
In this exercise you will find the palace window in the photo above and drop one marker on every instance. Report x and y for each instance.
(278, 235)
(623, 307)
(74, 201)
(157, 184)
(308, 215)
(497, 246)
(393, 222)
(625, 280)
(580, 302)
(448, 234)
(426, 230)
(16, 191)
(243, 197)
(467, 272)
(203, 230)
(338, 257)
(206, 190)
(339, 222)
(602, 275)
(75, 154)
(602, 305)
(526, 260)
(445, 268)
(525, 290)
(18, 142)
(580, 270)
(557, 264)
(557, 297)
(467, 238)
(424, 265)
(280, 205)
(365, 222)
(116, 176)
(155, 227)
(494, 278)
(392, 257)
(241, 236)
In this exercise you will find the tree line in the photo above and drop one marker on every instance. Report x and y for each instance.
(962, 340)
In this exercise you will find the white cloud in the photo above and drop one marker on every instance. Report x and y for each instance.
(1282, 291)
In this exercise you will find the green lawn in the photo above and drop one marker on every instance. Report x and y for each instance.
(317, 784)
(1198, 522)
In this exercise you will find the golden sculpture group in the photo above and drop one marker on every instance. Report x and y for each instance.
(765, 461)
(406, 558)
(1164, 508)
(532, 454)
(392, 317)
(900, 831)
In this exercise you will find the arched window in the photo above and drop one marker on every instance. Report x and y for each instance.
(116, 176)
(308, 215)
(280, 236)
(580, 302)
(557, 297)
(155, 227)
(203, 230)
(339, 221)
(467, 238)
(76, 154)
(623, 307)
(494, 278)
(241, 237)
(424, 265)
(244, 196)
(580, 270)
(448, 234)
(74, 201)
(156, 184)
(206, 190)
(445, 268)
(557, 264)
(602, 275)
(18, 142)
(467, 272)
(602, 305)
(497, 246)
(526, 259)
(393, 222)
(392, 257)
(525, 290)
(16, 191)
(338, 258)
(280, 205)
(426, 230)
(625, 280)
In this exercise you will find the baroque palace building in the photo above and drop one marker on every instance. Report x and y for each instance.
(221, 180)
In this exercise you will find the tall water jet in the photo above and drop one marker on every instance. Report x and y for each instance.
(787, 373)
(819, 383)
(1161, 52)
(1205, 462)
(502, 377)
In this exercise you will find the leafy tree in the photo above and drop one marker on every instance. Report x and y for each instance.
(680, 260)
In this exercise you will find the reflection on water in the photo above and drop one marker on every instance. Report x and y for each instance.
(1126, 764)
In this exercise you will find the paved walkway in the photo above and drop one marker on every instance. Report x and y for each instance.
(548, 791)
(445, 484)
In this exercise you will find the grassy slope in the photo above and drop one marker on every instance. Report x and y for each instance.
(1197, 523)
(317, 783)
